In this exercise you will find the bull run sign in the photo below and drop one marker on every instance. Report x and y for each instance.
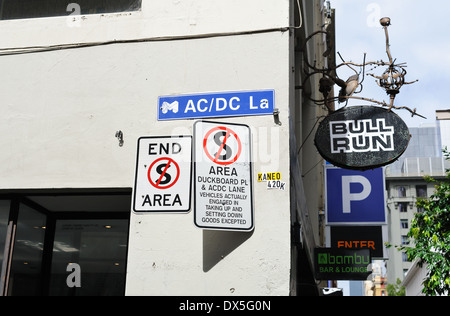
(362, 137)
(348, 136)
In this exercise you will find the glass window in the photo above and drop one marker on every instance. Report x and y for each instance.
(401, 191)
(4, 216)
(26, 267)
(405, 240)
(421, 191)
(404, 223)
(47, 233)
(99, 247)
(23, 9)
(403, 207)
(405, 257)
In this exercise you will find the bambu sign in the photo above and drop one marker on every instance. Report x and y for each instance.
(342, 264)
(362, 137)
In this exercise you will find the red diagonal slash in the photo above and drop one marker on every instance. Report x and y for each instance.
(222, 146)
(229, 135)
(164, 172)
(156, 163)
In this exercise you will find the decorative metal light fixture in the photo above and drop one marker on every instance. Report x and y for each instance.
(360, 137)
(391, 80)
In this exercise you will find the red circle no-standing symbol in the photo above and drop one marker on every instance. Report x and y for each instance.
(160, 176)
(227, 144)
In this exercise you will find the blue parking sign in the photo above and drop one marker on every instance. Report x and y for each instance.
(355, 197)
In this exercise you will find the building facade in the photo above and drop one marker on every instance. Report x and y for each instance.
(414, 276)
(413, 280)
(81, 85)
(405, 183)
(443, 122)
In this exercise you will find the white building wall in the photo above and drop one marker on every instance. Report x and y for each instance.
(61, 109)
(445, 133)
(414, 279)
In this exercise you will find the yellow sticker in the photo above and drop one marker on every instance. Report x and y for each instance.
(269, 176)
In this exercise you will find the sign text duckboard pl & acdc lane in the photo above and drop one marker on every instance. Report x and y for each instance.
(222, 176)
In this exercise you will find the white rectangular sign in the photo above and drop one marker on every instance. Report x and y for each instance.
(163, 174)
(223, 176)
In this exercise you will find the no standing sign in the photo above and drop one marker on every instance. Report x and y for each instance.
(163, 174)
(223, 176)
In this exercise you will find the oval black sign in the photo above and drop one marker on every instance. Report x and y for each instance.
(362, 137)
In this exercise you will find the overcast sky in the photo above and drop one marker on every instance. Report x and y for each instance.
(419, 35)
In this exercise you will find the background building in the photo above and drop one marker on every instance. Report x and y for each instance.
(405, 183)
(415, 275)
(413, 280)
(80, 86)
(443, 123)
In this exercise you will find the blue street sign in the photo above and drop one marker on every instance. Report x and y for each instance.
(221, 104)
(355, 197)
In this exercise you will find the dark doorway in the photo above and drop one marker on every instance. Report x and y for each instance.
(42, 234)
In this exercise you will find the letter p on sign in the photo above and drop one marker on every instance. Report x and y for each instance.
(348, 196)
(355, 197)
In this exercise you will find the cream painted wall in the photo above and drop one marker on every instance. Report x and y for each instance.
(157, 18)
(61, 109)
